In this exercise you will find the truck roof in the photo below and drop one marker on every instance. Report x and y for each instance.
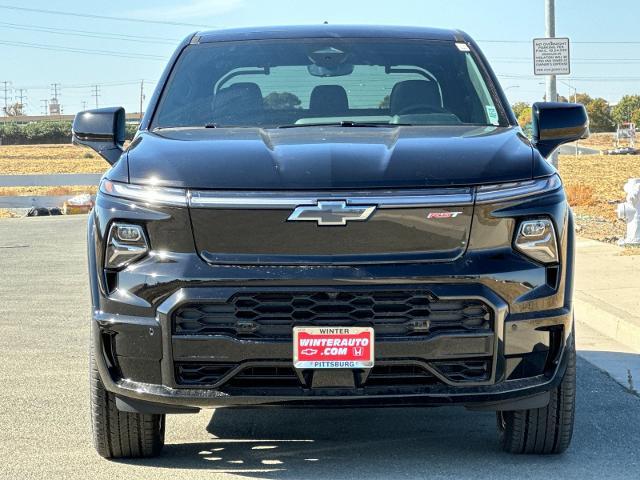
(324, 30)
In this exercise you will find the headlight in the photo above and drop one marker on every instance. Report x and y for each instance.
(537, 239)
(508, 191)
(145, 193)
(125, 244)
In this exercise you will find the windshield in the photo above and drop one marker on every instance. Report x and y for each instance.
(350, 82)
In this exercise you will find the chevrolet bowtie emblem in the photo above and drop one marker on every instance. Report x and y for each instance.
(331, 213)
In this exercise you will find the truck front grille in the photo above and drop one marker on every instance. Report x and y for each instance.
(384, 375)
(272, 314)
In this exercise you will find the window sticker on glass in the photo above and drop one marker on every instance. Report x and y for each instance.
(492, 114)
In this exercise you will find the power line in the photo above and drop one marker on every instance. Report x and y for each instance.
(90, 85)
(578, 61)
(140, 56)
(103, 17)
(88, 34)
(123, 36)
(579, 42)
(572, 59)
(578, 78)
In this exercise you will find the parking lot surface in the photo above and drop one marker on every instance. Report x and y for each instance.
(44, 422)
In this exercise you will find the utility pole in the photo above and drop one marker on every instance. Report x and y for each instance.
(550, 32)
(55, 88)
(21, 97)
(45, 106)
(6, 89)
(54, 103)
(84, 105)
(141, 97)
(96, 93)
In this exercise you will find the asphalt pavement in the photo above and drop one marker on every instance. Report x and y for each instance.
(53, 180)
(570, 149)
(44, 422)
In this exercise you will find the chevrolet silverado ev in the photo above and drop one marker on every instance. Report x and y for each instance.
(331, 216)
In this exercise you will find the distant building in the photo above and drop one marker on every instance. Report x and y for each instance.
(54, 107)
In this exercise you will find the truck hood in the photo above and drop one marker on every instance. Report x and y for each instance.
(319, 158)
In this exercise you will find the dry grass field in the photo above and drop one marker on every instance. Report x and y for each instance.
(4, 213)
(594, 185)
(49, 159)
(599, 141)
(48, 191)
(593, 182)
(603, 141)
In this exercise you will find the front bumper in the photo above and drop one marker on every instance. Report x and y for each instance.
(138, 359)
(138, 352)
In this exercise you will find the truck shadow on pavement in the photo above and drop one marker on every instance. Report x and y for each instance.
(445, 442)
(331, 443)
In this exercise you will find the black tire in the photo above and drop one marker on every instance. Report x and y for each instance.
(119, 434)
(546, 430)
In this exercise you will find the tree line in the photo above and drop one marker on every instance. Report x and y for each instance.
(602, 116)
(43, 132)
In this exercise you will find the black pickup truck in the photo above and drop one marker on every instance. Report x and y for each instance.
(331, 216)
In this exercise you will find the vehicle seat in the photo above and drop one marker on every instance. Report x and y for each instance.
(411, 93)
(238, 104)
(328, 101)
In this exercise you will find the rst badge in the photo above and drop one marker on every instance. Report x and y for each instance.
(436, 215)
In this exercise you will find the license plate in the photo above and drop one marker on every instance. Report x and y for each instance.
(333, 347)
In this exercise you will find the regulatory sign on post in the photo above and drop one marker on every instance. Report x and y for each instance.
(551, 56)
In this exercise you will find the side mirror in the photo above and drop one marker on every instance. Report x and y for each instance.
(554, 124)
(103, 130)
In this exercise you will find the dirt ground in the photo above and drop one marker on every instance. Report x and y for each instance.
(603, 141)
(600, 179)
(599, 141)
(47, 191)
(6, 213)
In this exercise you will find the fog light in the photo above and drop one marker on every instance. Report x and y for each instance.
(535, 228)
(128, 233)
(126, 243)
(537, 239)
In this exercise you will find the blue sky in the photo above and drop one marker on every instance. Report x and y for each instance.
(504, 30)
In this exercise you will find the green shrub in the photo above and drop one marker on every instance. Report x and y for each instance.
(130, 129)
(43, 132)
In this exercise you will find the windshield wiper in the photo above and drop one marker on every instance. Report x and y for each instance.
(346, 123)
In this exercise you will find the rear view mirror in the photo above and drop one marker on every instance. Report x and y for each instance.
(103, 130)
(329, 62)
(330, 71)
(554, 124)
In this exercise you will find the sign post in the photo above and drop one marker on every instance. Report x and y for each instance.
(550, 58)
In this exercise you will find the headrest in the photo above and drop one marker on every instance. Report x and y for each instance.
(414, 92)
(240, 103)
(328, 101)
